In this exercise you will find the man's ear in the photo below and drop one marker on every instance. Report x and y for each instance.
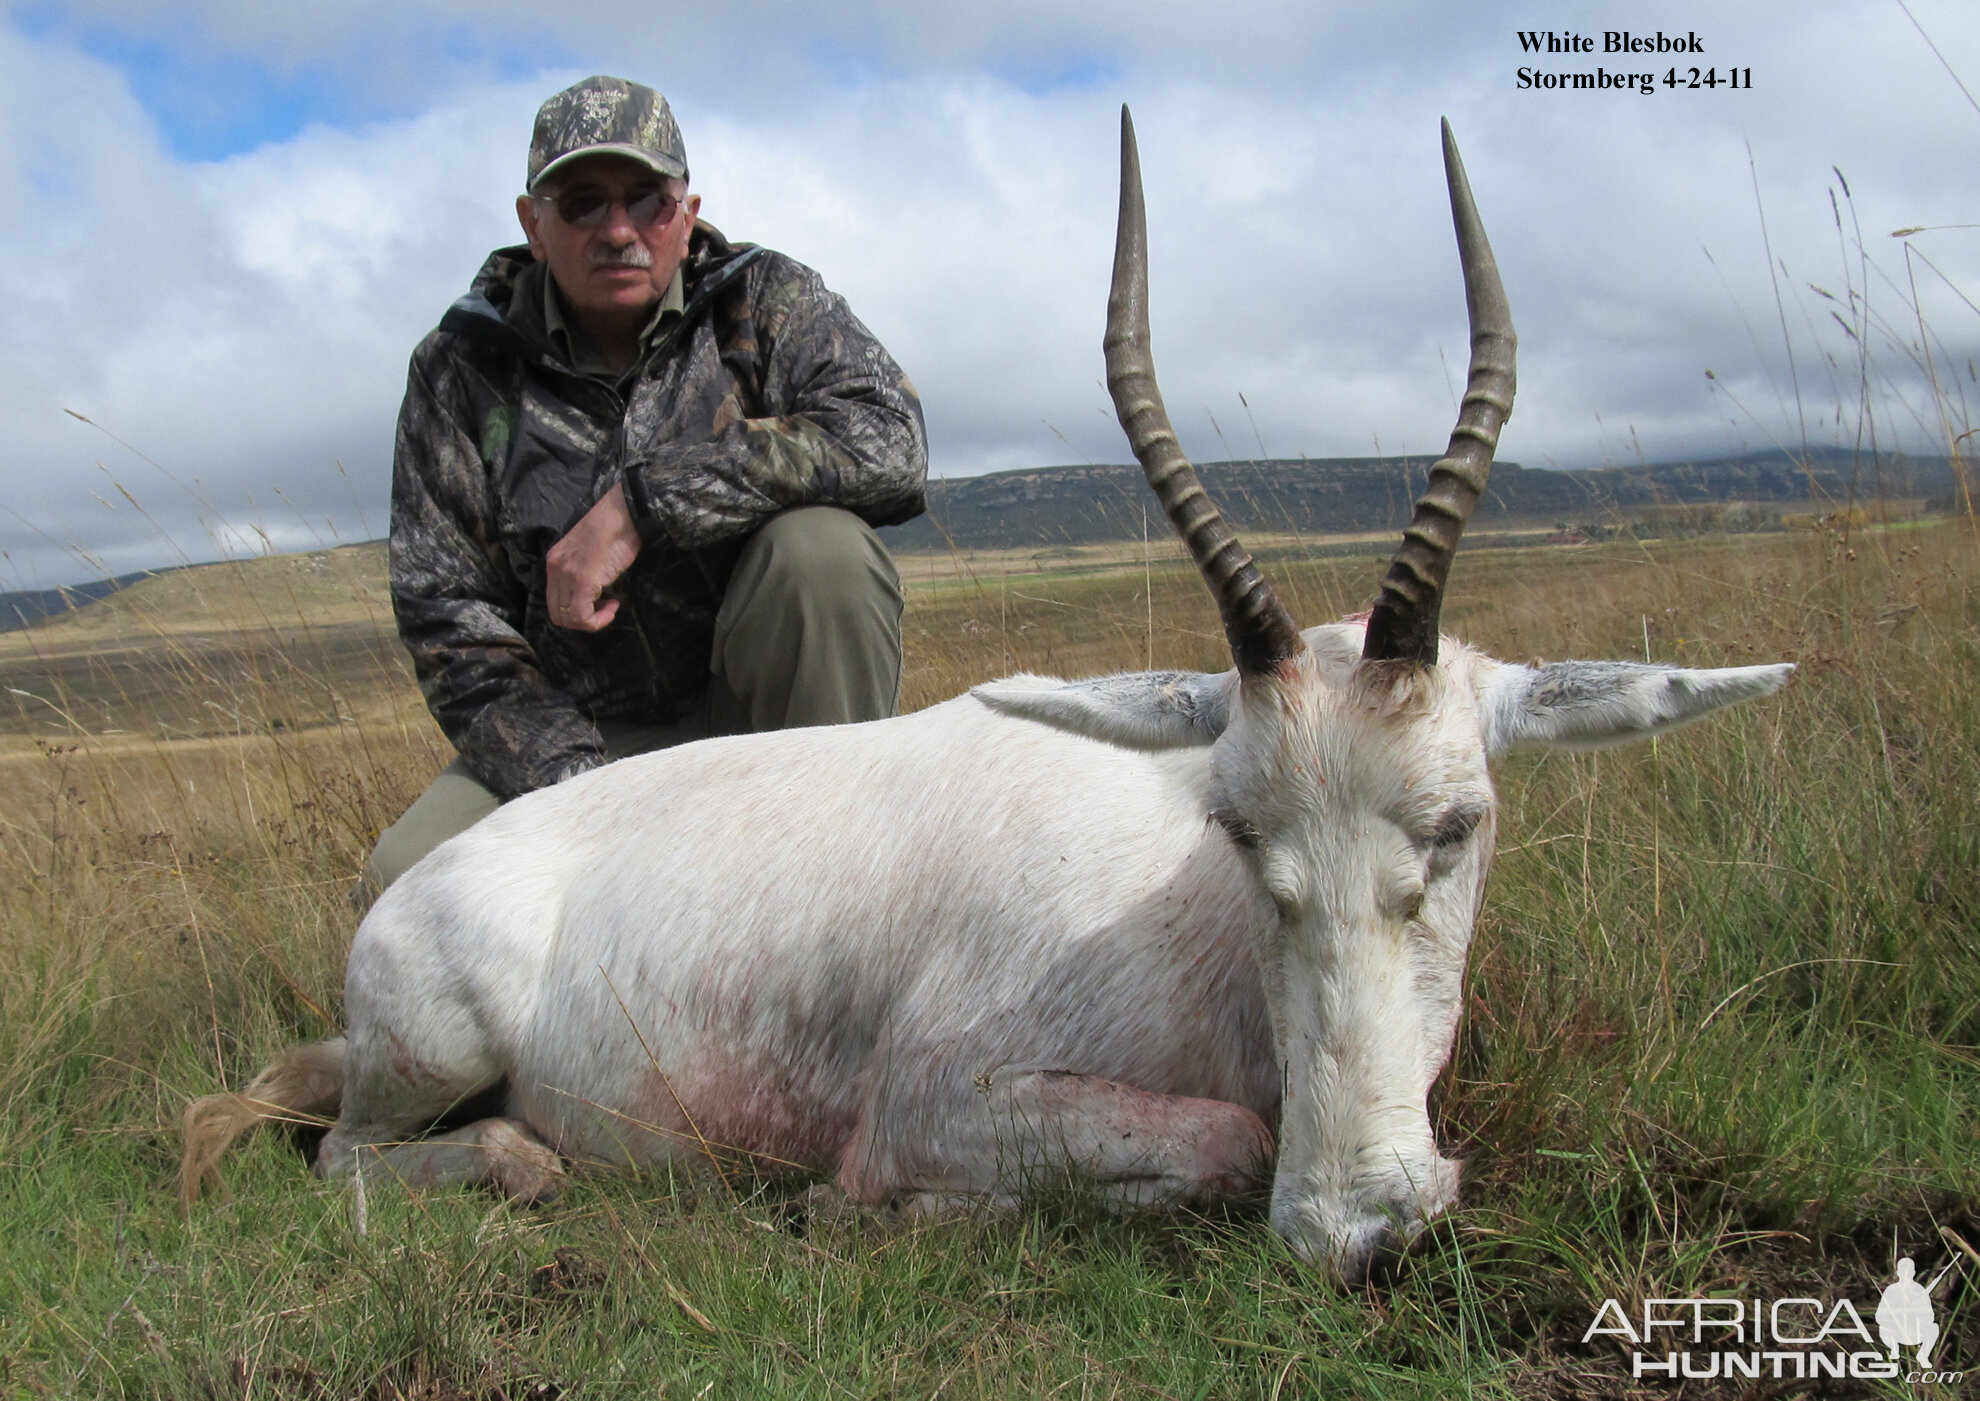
(526, 216)
(1141, 710)
(1591, 705)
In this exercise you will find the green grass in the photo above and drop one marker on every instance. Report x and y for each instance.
(1722, 1034)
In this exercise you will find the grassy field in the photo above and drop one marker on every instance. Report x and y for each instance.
(1722, 1032)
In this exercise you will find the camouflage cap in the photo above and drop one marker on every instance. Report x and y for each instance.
(605, 116)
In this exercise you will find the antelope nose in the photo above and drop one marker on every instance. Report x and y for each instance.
(1371, 1255)
(1364, 1249)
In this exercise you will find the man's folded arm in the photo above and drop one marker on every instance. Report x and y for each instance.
(846, 431)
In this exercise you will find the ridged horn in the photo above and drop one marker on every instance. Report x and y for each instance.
(1403, 624)
(1261, 633)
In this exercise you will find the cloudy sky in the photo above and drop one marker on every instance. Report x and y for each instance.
(224, 224)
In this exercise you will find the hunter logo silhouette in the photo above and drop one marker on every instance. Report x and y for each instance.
(1904, 1314)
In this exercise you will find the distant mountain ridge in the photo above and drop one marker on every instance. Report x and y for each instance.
(1082, 505)
(1040, 507)
(26, 607)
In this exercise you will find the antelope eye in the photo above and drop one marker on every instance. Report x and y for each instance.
(1456, 828)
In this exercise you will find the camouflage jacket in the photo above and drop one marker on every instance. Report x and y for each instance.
(764, 393)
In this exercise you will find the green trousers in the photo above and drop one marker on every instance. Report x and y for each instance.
(809, 633)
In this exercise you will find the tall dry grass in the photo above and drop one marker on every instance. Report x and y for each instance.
(1722, 1023)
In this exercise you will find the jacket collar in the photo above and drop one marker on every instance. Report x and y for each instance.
(504, 303)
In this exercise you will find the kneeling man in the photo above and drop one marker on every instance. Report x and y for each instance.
(637, 472)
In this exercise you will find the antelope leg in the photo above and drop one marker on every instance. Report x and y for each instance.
(1139, 1150)
(503, 1153)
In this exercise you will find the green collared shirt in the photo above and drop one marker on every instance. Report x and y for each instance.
(576, 348)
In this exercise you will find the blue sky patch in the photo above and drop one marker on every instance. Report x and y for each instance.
(1044, 74)
(212, 100)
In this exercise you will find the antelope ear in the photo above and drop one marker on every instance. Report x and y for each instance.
(1139, 710)
(1591, 705)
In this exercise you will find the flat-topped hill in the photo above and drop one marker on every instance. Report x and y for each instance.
(1326, 496)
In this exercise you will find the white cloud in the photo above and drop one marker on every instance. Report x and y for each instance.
(244, 324)
(247, 322)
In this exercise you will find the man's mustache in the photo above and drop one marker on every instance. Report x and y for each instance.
(633, 255)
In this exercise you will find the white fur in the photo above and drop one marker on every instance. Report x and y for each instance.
(866, 950)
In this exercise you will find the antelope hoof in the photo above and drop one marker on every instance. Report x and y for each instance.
(522, 1167)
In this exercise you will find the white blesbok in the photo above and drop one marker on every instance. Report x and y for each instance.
(1174, 934)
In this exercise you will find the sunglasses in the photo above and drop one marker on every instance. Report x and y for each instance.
(589, 208)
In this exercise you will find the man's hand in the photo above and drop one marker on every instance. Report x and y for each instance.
(587, 561)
